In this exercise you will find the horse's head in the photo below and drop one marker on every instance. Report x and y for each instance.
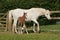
(47, 14)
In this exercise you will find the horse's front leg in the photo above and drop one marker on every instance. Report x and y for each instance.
(37, 25)
(26, 31)
(24, 27)
(34, 28)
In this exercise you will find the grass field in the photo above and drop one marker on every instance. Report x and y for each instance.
(44, 35)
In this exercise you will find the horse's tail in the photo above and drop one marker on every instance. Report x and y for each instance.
(10, 15)
(10, 19)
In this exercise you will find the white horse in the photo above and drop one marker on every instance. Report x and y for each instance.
(32, 15)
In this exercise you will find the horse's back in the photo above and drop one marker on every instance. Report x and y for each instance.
(38, 9)
(17, 12)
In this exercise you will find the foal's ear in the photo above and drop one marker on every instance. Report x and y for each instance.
(25, 13)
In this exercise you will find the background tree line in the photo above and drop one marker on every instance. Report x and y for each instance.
(6, 5)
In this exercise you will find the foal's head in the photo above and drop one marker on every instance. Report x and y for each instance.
(25, 14)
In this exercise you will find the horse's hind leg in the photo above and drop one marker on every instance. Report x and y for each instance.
(24, 27)
(14, 29)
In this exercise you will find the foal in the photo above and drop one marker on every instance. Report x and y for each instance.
(21, 22)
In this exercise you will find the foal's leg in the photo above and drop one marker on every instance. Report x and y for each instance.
(20, 29)
(37, 25)
(24, 25)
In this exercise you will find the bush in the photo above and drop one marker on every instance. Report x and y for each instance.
(6, 5)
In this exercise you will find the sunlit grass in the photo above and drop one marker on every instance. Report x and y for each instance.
(51, 27)
(31, 36)
(44, 35)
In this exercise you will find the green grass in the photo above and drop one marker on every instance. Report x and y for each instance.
(44, 35)
(50, 27)
(31, 36)
(53, 27)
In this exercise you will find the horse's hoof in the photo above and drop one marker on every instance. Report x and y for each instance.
(38, 32)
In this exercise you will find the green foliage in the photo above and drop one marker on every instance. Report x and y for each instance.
(6, 5)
